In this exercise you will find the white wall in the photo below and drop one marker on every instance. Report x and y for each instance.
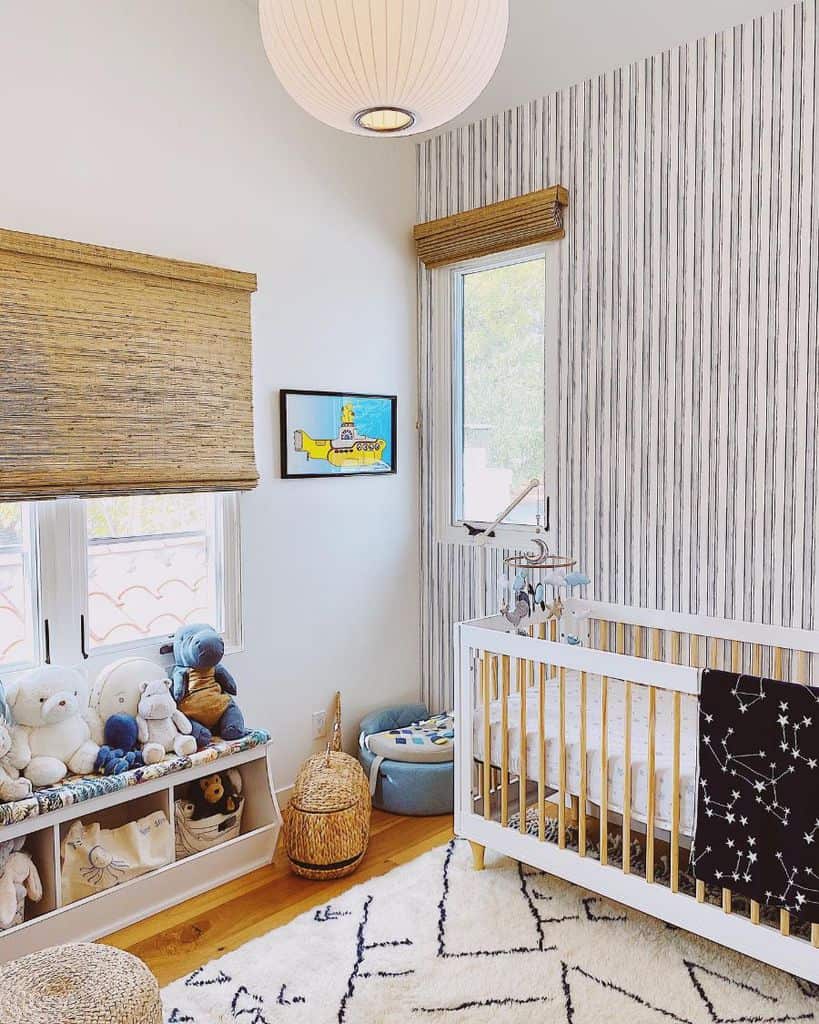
(159, 126)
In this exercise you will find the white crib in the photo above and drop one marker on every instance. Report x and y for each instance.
(611, 748)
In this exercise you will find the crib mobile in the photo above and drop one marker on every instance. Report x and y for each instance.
(520, 598)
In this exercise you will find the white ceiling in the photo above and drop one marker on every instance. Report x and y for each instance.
(553, 44)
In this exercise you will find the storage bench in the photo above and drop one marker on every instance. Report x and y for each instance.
(45, 817)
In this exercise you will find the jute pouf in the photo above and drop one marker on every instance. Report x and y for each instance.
(82, 983)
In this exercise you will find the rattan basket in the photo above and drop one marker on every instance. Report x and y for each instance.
(327, 822)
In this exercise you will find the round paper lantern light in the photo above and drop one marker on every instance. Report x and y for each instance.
(380, 67)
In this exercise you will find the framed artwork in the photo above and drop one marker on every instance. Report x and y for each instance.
(337, 433)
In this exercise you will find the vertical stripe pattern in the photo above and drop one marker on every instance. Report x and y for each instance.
(688, 331)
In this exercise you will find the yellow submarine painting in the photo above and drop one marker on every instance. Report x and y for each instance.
(332, 433)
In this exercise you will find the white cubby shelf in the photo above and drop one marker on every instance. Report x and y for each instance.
(50, 923)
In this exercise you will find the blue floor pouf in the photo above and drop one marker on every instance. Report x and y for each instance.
(413, 779)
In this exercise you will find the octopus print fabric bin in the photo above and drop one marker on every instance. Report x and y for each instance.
(95, 858)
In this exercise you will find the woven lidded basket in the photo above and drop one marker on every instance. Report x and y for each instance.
(327, 822)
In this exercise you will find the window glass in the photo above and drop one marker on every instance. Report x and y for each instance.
(502, 392)
(151, 566)
(18, 644)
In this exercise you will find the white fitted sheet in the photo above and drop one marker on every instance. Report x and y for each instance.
(616, 761)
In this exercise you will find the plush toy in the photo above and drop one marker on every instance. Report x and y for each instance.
(204, 689)
(48, 704)
(19, 873)
(12, 759)
(219, 793)
(114, 702)
(115, 760)
(12, 756)
(162, 726)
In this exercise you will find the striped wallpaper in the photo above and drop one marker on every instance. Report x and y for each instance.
(688, 334)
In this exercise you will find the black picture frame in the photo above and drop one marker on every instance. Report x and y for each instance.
(286, 431)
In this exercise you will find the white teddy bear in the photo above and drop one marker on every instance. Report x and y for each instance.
(162, 726)
(49, 704)
(12, 759)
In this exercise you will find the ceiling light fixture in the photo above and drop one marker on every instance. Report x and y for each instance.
(384, 67)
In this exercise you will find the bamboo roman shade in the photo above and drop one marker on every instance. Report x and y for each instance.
(121, 373)
(510, 224)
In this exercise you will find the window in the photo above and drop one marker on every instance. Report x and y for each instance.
(496, 344)
(18, 586)
(151, 565)
(115, 574)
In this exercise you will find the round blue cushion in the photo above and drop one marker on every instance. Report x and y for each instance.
(405, 787)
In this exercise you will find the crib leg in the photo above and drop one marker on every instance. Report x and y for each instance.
(478, 853)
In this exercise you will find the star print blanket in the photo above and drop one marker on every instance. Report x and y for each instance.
(757, 826)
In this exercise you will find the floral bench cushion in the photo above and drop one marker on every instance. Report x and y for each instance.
(78, 788)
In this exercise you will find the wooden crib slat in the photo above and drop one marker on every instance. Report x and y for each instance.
(553, 638)
(656, 644)
(604, 770)
(756, 659)
(777, 665)
(726, 900)
(487, 739)
(651, 782)
(621, 638)
(638, 641)
(561, 810)
(583, 795)
(755, 912)
(505, 674)
(627, 783)
(541, 742)
(814, 935)
(522, 673)
(604, 635)
(694, 651)
(713, 653)
(784, 922)
(700, 892)
(675, 796)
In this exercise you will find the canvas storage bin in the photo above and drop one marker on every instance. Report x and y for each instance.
(327, 822)
(204, 833)
(96, 858)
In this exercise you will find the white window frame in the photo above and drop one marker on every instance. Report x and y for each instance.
(61, 587)
(447, 353)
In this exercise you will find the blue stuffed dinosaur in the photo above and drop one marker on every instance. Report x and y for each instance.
(202, 687)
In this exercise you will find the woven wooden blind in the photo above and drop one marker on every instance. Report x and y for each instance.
(510, 224)
(121, 373)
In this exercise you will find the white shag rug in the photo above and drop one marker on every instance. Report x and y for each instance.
(436, 941)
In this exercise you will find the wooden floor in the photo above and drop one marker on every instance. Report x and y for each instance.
(178, 940)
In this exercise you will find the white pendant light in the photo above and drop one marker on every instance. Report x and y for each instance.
(384, 67)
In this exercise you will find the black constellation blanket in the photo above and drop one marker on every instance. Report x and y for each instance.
(757, 830)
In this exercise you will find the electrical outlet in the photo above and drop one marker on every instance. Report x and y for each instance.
(319, 724)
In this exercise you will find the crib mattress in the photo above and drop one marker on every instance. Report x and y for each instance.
(616, 760)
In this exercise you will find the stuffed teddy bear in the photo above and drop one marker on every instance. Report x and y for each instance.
(219, 793)
(19, 872)
(162, 726)
(204, 689)
(48, 704)
(12, 759)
